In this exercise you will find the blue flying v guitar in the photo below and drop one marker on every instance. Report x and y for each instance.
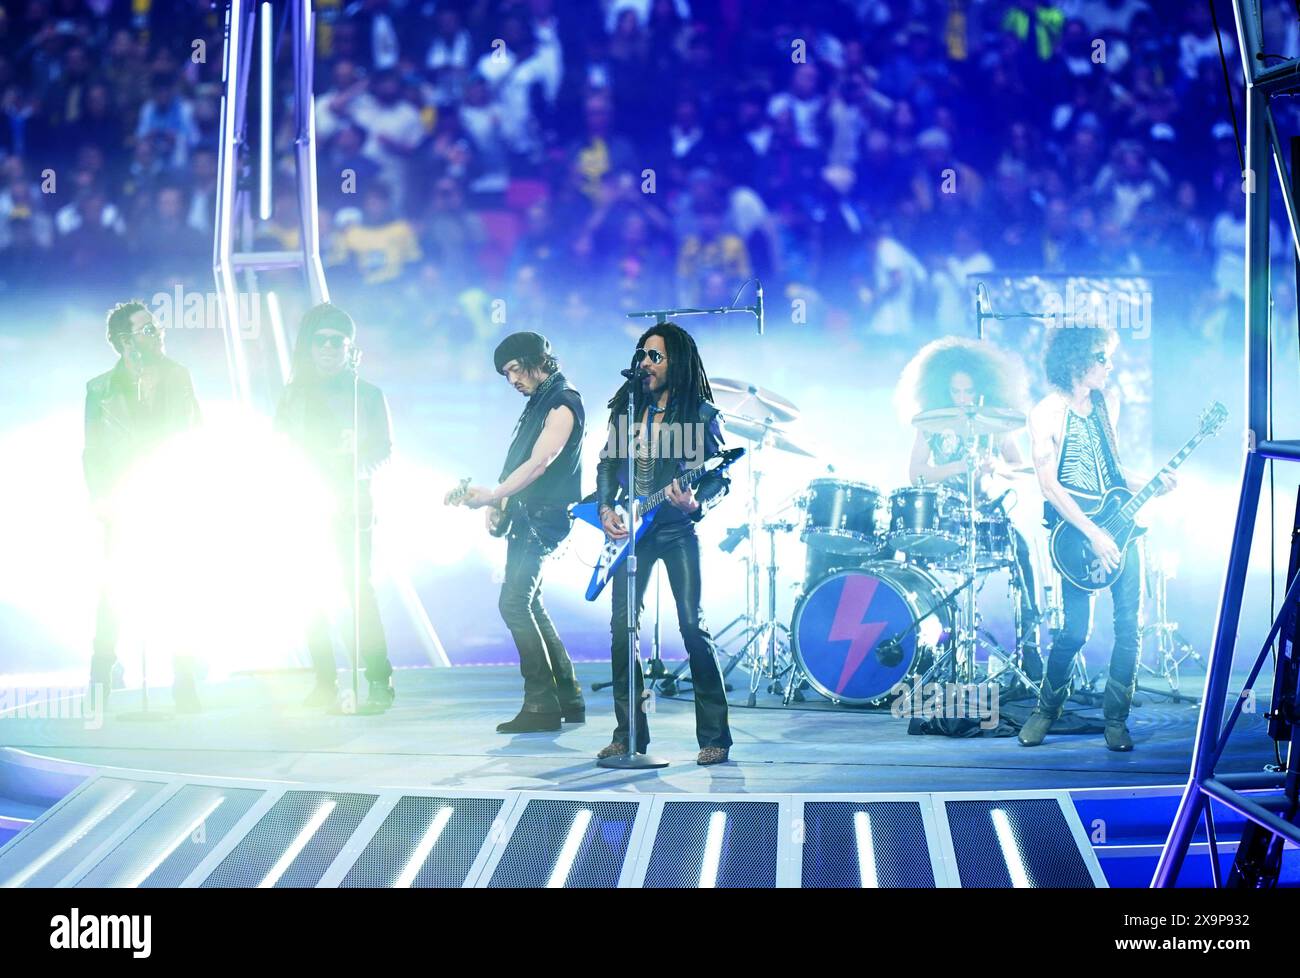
(614, 552)
(1116, 513)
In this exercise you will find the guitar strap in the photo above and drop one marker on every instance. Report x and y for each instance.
(1112, 443)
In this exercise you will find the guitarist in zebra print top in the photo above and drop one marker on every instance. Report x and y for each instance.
(1076, 458)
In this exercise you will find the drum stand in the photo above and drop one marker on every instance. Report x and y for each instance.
(770, 634)
(969, 636)
(1172, 649)
(751, 629)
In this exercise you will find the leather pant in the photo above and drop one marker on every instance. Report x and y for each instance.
(1126, 599)
(678, 547)
(108, 627)
(1032, 662)
(374, 647)
(549, 683)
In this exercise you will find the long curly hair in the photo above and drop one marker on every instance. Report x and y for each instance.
(998, 376)
(1070, 352)
(687, 382)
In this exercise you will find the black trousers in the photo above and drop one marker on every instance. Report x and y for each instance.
(1126, 601)
(679, 549)
(1033, 661)
(549, 683)
(374, 647)
(108, 627)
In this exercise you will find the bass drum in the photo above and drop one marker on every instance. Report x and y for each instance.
(842, 623)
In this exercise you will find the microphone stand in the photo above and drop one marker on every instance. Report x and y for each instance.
(631, 760)
(656, 671)
(356, 532)
(144, 713)
(356, 525)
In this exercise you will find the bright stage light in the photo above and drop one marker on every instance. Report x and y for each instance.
(414, 528)
(1010, 849)
(71, 837)
(224, 547)
(51, 543)
(298, 844)
(192, 826)
(423, 848)
(713, 850)
(572, 843)
(866, 850)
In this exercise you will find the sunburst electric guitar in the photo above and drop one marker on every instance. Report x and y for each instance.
(1116, 513)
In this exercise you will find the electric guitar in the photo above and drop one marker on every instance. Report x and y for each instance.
(614, 552)
(502, 526)
(1116, 513)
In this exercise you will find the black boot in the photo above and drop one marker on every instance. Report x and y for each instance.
(1050, 704)
(574, 712)
(1115, 703)
(101, 680)
(525, 722)
(379, 698)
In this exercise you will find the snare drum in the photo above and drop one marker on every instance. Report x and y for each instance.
(994, 546)
(993, 543)
(842, 517)
(925, 521)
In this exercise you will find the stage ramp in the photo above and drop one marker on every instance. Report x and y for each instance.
(135, 829)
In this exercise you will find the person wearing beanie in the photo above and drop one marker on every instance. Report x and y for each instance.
(316, 412)
(540, 478)
(130, 411)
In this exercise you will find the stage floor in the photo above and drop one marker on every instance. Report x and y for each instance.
(441, 733)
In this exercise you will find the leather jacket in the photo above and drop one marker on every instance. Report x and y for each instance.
(122, 427)
(611, 472)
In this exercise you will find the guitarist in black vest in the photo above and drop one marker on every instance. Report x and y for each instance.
(674, 392)
(1076, 458)
(541, 476)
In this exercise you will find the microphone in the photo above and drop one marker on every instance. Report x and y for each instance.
(758, 305)
(889, 653)
(636, 371)
(983, 307)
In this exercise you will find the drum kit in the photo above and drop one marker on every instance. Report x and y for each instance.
(891, 585)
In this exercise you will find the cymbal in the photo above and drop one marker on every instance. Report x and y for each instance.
(971, 420)
(767, 434)
(742, 397)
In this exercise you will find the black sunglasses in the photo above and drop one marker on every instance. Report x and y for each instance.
(655, 356)
(150, 331)
(332, 340)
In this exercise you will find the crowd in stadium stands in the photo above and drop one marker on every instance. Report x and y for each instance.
(582, 157)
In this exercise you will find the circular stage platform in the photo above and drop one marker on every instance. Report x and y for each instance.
(440, 733)
(258, 791)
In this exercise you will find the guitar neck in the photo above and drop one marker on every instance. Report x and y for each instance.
(687, 480)
(1131, 508)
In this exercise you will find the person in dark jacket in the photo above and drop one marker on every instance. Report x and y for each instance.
(131, 410)
(673, 411)
(541, 476)
(316, 412)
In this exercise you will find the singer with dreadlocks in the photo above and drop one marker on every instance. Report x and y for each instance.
(672, 398)
(317, 412)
